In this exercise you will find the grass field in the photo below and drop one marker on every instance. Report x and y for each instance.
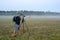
(38, 29)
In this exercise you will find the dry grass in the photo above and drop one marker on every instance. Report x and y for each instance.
(39, 29)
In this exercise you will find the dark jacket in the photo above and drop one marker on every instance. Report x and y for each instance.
(16, 19)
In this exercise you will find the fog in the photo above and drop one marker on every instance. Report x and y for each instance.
(39, 17)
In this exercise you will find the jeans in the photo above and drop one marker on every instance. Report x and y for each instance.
(17, 27)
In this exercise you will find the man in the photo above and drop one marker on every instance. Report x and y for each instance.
(19, 19)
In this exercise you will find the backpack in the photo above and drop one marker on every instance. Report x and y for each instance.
(16, 18)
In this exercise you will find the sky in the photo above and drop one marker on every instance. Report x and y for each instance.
(30, 5)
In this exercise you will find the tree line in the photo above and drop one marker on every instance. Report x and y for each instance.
(40, 13)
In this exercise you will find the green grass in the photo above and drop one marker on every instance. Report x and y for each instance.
(40, 29)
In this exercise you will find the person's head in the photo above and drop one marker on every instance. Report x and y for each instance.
(19, 14)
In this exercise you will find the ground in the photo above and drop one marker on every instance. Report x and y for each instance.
(35, 29)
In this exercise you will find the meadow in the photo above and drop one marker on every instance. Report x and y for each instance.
(38, 29)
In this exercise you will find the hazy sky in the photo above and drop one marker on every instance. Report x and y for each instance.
(35, 5)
